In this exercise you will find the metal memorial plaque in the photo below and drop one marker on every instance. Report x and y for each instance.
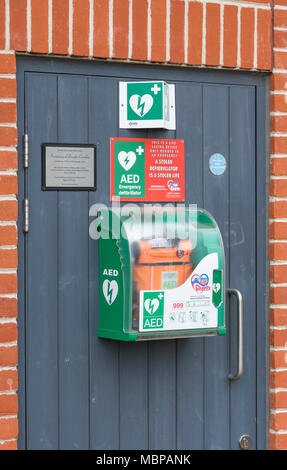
(68, 167)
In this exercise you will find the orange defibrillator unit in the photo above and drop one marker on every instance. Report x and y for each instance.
(159, 264)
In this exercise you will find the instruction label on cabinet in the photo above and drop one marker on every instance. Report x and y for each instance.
(192, 305)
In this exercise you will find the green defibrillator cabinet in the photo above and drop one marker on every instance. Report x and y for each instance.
(161, 274)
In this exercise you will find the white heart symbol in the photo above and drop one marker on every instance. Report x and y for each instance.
(141, 104)
(151, 305)
(216, 287)
(127, 159)
(110, 290)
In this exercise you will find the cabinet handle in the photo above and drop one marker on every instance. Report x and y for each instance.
(238, 296)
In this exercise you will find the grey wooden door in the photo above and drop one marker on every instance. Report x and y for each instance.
(78, 391)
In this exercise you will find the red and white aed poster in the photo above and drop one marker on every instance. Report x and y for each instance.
(147, 170)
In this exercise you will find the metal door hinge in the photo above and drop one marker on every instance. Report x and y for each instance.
(26, 215)
(26, 151)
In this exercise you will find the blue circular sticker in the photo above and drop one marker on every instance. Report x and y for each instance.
(217, 164)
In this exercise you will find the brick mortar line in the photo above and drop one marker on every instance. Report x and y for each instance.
(149, 25)
(186, 30)
(255, 38)
(50, 26)
(10, 172)
(9, 319)
(272, 431)
(8, 247)
(8, 100)
(8, 271)
(111, 28)
(278, 177)
(10, 76)
(91, 28)
(9, 344)
(71, 26)
(239, 37)
(130, 32)
(167, 51)
(9, 296)
(7, 24)
(12, 416)
(29, 32)
(203, 40)
(221, 38)
(260, 6)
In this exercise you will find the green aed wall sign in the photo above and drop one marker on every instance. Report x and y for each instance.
(153, 309)
(147, 169)
(147, 105)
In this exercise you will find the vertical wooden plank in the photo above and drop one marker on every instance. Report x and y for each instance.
(216, 201)
(133, 396)
(73, 277)
(104, 354)
(41, 272)
(243, 257)
(190, 367)
(162, 395)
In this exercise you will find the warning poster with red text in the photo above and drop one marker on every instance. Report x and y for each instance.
(147, 170)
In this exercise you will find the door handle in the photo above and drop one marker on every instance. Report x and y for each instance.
(239, 299)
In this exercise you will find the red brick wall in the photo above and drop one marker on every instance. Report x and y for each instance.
(278, 231)
(235, 34)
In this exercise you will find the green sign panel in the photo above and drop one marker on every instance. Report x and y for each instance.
(217, 292)
(130, 156)
(153, 310)
(145, 100)
(147, 105)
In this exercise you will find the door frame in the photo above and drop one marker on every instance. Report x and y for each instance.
(102, 68)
